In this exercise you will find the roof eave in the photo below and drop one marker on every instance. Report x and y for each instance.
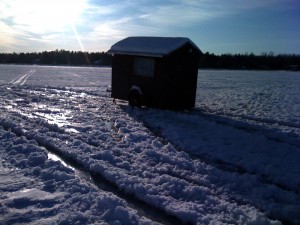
(137, 54)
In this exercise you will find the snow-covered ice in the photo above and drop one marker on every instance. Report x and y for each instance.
(231, 160)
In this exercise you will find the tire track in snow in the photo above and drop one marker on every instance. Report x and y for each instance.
(144, 209)
(21, 80)
(103, 183)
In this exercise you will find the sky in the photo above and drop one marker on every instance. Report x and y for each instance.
(215, 26)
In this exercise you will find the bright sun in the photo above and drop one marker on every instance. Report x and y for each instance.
(46, 15)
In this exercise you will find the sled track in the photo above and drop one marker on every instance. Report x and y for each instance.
(21, 80)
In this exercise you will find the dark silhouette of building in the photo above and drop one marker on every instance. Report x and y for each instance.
(155, 71)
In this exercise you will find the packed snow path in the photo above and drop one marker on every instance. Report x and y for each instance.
(189, 166)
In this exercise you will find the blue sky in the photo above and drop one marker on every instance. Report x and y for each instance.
(216, 26)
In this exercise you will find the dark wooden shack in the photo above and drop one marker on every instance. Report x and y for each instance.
(155, 71)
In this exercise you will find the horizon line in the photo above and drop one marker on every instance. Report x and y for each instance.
(263, 53)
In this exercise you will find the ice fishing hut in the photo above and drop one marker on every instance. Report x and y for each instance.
(155, 71)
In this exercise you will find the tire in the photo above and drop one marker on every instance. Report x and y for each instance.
(134, 99)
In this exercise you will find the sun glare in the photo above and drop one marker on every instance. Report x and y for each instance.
(40, 15)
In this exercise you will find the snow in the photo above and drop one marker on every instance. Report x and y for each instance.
(221, 163)
(150, 46)
(36, 190)
(264, 96)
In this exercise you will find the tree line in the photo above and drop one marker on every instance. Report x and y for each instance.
(58, 57)
(265, 61)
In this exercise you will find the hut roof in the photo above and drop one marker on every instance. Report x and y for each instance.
(150, 46)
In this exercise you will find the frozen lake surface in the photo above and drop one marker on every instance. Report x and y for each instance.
(265, 96)
(234, 159)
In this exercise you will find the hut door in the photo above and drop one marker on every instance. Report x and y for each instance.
(121, 77)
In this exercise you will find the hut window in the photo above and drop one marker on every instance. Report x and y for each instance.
(144, 67)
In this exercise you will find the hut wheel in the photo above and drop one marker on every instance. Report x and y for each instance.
(134, 99)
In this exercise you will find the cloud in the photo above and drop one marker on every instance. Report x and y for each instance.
(25, 23)
(186, 13)
(11, 39)
(98, 21)
(113, 28)
(105, 9)
(6, 37)
(177, 15)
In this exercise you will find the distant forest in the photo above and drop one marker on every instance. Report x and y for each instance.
(265, 61)
(58, 57)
